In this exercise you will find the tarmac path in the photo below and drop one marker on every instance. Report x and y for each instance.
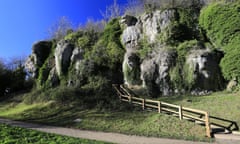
(110, 137)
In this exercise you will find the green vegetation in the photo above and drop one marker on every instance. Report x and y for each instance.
(108, 51)
(17, 135)
(132, 75)
(121, 120)
(46, 67)
(182, 28)
(181, 75)
(13, 77)
(220, 104)
(144, 48)
(91, 97)
(221, 23)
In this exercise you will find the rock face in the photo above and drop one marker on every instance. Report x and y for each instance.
(77, 57)
(63, 55)
(53, 78)
(161, 67)
(155, 72)
(154, 69)
(40, 52)
(206, 71)
(156, 22)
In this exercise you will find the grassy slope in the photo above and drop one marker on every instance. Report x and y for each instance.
(134, 122)
(221, 104)
(16, 135)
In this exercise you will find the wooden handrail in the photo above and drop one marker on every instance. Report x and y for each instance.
(167, 107)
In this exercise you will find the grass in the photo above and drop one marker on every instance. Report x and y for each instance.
(220, 104)
(133, 121)
(129, 120)
(17, 135)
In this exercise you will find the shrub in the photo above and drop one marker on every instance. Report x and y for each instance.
(108, 51)
(221, 23)
(144, 48)
(60, 28)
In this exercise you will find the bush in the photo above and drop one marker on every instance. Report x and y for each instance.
(144, 48)
(221, 23)
(108, 51)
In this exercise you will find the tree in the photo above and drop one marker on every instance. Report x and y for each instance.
(5, 77)
(13, 76)
(112, 11)
(134, 7)
(92, 25)
(60, 29)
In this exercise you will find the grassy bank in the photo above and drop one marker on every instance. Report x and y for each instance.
(128, 121)
(220, 104)
(16, 135)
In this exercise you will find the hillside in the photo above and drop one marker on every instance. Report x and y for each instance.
(170, 51)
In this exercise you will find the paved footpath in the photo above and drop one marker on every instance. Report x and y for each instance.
(107, 137)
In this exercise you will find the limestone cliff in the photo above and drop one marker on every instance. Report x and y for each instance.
(162, 51)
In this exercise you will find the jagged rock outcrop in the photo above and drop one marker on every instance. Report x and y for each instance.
(77, 57)
(63, 55)
(162, 55)
(53, 78)
(156, 22)
(154, 70)
(206, 71)
(40, 52)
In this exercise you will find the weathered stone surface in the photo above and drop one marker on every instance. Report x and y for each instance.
(205, 65)
(63, 55)
(53, 78)
(30, 65)
(40, 52)
(232, 85)
(131, 69)
(156, 22)
(128, 20)
(147, 26)
(130, 38)
(155, 72)
(77, 57)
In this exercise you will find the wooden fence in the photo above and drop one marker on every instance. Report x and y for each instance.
(163, 107)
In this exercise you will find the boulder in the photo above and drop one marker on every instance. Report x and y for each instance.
(232, 84)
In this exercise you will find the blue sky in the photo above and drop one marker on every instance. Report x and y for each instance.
(24, 22)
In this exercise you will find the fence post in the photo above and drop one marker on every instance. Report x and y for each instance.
(130, 99)
(180, 112)
(143, 104)
(207, 123)
(159, 107)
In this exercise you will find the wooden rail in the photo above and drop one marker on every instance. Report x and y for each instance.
(181, 112)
